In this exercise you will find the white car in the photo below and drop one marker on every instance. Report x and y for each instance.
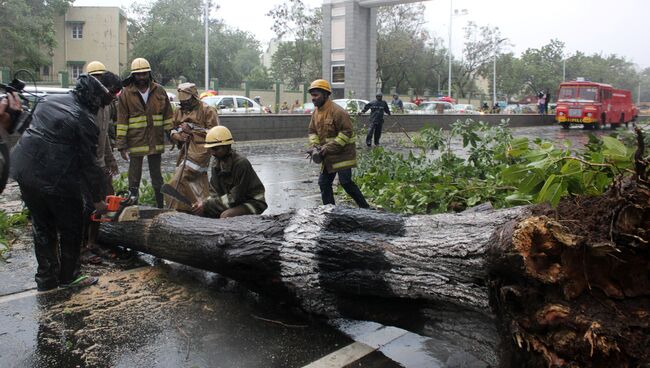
(352, 105)
(233, 105)
(431, 107)
(466, 109)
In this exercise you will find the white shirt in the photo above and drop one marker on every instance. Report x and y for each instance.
(145, 95)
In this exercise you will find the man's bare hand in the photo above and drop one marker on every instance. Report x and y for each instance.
(125, 154)
(197, 208)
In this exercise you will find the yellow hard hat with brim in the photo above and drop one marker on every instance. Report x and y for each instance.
(320, 84)
(218, 136)
(140, 65)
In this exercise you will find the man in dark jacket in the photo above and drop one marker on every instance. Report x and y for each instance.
(50, 162)
(377, 109)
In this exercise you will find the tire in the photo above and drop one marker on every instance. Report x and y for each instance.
(565, 125)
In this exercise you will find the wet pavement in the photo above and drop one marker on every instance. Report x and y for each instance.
(150, 313)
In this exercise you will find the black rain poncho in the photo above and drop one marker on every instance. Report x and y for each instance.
(58, 151)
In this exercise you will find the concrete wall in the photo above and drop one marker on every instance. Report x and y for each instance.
(281, 126)
(104, 39)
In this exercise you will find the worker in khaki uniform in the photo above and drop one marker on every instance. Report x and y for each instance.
(332, 142)
(235, 188)
(191, 123)
(106, 115)
(144, 116)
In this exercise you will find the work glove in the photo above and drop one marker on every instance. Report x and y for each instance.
(315, 155)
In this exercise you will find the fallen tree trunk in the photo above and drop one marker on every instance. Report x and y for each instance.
(566, 287)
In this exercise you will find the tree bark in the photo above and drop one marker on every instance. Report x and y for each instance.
(556, 294)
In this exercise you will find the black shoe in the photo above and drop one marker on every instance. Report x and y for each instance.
(47, 286)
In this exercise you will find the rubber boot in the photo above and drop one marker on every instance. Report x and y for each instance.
(133, 195)
(160, 199)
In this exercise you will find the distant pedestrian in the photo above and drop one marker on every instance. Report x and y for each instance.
(296, 106)
(285, 107)
(377, 109)
(485, 108)
(397, 103)
(541, 102)
(547, 100)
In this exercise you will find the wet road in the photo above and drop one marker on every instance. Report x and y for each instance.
(150, 313)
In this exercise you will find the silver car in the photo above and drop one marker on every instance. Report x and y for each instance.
(228, 105)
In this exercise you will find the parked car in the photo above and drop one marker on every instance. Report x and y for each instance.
(430, 107)
(520, 109)
(228, 105)
(409, 106)
(466, 109)
(352, 105)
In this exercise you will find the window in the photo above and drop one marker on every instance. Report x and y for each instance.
(226, 103)
(76, 71)
(77, 30)
(46, 71)
(242, 102)
(338, 74)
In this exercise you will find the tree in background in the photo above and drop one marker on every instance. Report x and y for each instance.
(297, 60)
(407, 55)
(27, 29)
(481, 44)
(170, 34)
(610, 69)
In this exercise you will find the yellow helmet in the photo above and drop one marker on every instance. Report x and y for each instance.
(95, 67)
(140, 65)
(320, 84)
(218, 136)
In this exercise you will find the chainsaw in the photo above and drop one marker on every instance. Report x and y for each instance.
(118, 208)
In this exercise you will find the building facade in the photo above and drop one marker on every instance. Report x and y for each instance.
(84, 34)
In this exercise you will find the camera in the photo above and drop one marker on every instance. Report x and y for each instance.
(20, 120)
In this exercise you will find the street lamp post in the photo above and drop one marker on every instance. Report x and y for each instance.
(451, 15)
(207, 60)
(494, 71)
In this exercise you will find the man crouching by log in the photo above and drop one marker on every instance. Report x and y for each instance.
(235, 188)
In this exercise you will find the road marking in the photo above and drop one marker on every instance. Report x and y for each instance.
(342, 357)
(365, 345)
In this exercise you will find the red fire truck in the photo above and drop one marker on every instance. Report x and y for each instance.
(594, 105)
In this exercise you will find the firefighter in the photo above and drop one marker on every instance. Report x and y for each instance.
(235, 188)
(144, 116)
(191, 124)
(333, 144)
(105, 160)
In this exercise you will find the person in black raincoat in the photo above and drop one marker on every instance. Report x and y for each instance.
(377, 109)
(52, 159)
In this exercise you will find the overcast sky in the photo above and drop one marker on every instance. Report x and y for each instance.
(592, 26)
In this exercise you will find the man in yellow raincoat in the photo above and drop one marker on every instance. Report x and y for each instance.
(191, 123)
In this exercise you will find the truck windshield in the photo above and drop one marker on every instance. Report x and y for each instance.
(578, 93)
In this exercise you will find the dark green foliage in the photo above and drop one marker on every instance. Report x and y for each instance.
(27, 30)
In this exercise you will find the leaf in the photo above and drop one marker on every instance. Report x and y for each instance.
(542, 195)
(615, 147)
(530, 183)
(571, 167)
